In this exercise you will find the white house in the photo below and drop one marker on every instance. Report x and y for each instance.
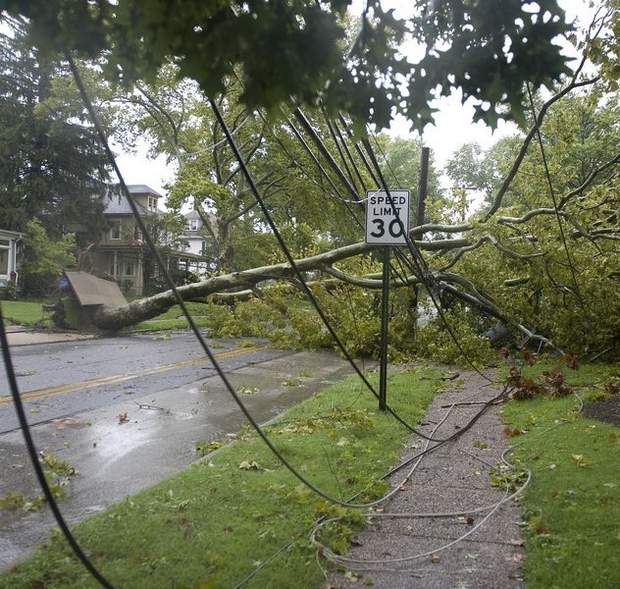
(8, 256)
(194, 234)
(197, 241)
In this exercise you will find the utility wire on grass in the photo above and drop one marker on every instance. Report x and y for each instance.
(417, 458)
(378, 564)
(181, 302)
(7, 359)
(360, 564)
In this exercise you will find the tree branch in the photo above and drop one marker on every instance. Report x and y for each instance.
(364, 281)
(496, 243)
(528, 216)
(497, 202)
(114, 318)
(566, 198)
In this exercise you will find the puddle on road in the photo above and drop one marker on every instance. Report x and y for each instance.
(197, 389)
(113, 443)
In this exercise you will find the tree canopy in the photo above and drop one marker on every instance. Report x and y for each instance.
(299, 49)
(173, 115)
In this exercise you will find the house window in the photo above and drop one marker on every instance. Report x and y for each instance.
(192, 225)
(4, 261)
(129, 269)
(152, 201)
(113, 267)
(115, 230)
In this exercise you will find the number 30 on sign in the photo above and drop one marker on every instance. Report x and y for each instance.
(382, 226)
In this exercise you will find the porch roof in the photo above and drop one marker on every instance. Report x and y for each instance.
(91, 290)
(10, 234)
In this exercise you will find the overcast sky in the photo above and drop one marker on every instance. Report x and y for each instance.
(453, 123)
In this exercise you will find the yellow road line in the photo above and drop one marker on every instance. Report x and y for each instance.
(38, 394)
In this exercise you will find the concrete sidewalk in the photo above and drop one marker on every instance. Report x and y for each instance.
(456, 477)
(18, 335)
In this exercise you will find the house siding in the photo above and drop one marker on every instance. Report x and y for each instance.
(119, 251)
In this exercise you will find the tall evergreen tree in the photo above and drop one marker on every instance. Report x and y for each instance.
(51, 164)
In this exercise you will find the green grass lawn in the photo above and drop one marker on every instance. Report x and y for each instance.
(173, 318)
(31, 312)
(22, 312)
(572, 506)
(215, 522)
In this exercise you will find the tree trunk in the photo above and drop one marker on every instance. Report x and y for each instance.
(115, 318)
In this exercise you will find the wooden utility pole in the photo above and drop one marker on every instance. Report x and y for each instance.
(420, 213)
(422, 186)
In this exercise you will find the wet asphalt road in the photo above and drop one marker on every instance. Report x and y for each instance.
(65, 365)
(74, 393)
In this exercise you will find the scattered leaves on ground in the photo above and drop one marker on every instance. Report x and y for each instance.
(250, 465)
(247, 390)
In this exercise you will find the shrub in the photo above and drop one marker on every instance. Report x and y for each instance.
(44, 258)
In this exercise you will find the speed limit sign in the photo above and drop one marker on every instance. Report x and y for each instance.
(383, 214)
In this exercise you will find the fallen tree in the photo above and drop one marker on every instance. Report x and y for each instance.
(115, 318)
(468, 237)
(504, 233)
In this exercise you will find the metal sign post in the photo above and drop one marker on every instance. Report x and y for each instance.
(386, 218)
(385, 322)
